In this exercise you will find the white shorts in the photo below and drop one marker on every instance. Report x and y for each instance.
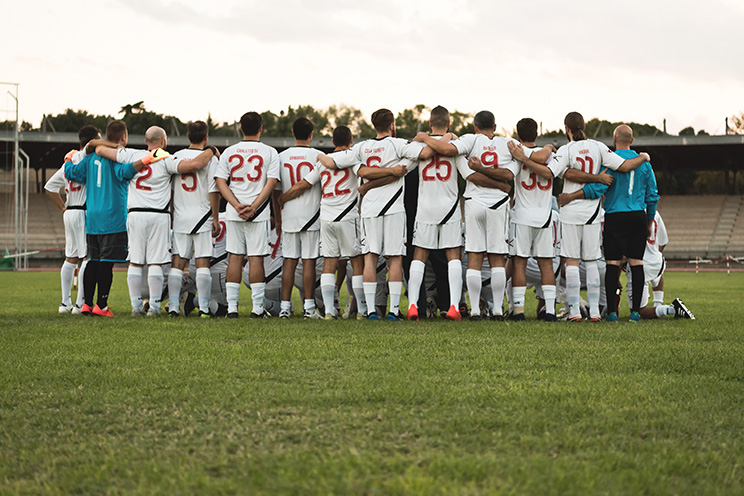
(436, 236)
(149, 238)
(654, 271)
(384, 235)
(76, 245)
(198, 245)
(340, 239)
(248, 238)
(581, 241)
(304, 245)
(486, 230)
(527, 241)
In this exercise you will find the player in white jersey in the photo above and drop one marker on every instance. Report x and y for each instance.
(73, 217)
(195, 219)
(486, 205)
(253, 171)
(383, 213)
(579, 162)
(438, 218)
(339, 221)
(299, 219)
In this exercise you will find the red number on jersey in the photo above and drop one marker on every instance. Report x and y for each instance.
(535, 182)
(295, 175)
(374, 161)
(257, 161)
(490, 158)
(437, 163)
(238, 161)
(326, 176)
(145, 174)
(586, 163)
(654, 229)
(72, 186)
(184, 177)
(223, 229)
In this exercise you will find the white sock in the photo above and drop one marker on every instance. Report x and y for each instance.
(396, 289)
(370, 292)
(258, 290)
(415, 278)
(473, 279)
(285, 305)
(510, 293)
(175, 278)
(454, 271)
(357, 285)
(328, 288)
(309, 305)
(134, 281)
(66, 273)
(232, 293)
(498, 285)
(204, 287)
(573, 288)
(155, 280)
(658, 298)
(518, 294)
(81, 286)
(549, 295)
(592, 287)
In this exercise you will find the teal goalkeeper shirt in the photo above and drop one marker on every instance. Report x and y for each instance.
(630, 191)
(107, 186)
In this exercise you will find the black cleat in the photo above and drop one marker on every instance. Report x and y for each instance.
(475, 317)
(681, 311)
(232, 315)
(263, 315)
(517, 317)
(172, 314)
(499, 318)
(550, 317)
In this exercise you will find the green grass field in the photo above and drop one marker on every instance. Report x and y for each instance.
(188, 406)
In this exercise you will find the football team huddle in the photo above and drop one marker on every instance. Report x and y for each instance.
(250, 214)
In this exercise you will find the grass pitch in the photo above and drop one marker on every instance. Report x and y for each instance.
(187, 406)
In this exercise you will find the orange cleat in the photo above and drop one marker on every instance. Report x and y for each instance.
(86, 310)
(413, 312)
(105, 312)
(453, 313)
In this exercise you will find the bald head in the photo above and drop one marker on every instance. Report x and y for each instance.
(623, 136)
(155, 137)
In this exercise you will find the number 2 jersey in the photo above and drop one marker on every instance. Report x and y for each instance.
(150, 188)
(300, 214)
(533, 196)
(339, 190)
(192, 210)
(247, 165)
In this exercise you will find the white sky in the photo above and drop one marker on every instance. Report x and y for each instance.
(635, 60)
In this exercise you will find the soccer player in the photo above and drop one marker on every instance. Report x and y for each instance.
(195, 219)
(106, 219)
(299, 219)
(579, 162)
(438, 218)
(339, 222)
(253, 171)
(486, 204)
(382, 211)
(73, 212)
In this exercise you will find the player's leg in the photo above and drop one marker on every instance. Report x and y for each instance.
(454, 280)
(288, 272)
(393, 242)
(175, 279)
(658, 289)
(81, 287)
(497, 246)
(519, 286)
(475, 247)
(309, 253)
(66, 275)
(203, 285)
(357, 284)
(416, 276)
(328, 285)
(157, 251)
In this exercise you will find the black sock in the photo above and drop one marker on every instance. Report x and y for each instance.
(105, 277)
(90, 278)
(639, 280)
(612, 276)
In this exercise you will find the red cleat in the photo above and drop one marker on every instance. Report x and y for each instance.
(105, 312)
(413, 312)
(86, 310)
(453, 313)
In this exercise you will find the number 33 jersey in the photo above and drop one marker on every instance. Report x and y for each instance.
(533, 196)
(247, 166)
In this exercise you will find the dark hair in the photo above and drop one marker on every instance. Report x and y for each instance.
(382, 119)
(302, 128)
(439, 117)
(250, 123)
(527, 130)
(115, 130)
(342, 136)
(87, 133)
(197, 131)
(575, 122)
(484, 120)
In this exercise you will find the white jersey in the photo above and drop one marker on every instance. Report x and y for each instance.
(192, 210)
(300, 214)
(588, 156)
(219, 250)
(533, 197)
(339, 191)
(381, 152)
(248, 165)
(438, 195)
(657, 239)
(74, 192)
(150, 188)
(492, 152)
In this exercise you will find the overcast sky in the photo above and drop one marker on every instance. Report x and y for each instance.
(640, 61)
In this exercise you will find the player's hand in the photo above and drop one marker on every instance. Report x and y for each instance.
(399, 170)
(216, 228)
(565, 199)
(215, 151)
(475, 164)
(421, 136)
(516, 151)
(449, 137)
(363, 189)
(68, 155)
(244, 210)
(605, 178)
(155, 156)
(645, 156)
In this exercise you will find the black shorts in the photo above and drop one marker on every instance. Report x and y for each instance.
(108, 247)
(625, 234)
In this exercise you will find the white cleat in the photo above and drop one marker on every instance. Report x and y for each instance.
(64, 308)
(284, 314)
(312, 314)
(76, 310)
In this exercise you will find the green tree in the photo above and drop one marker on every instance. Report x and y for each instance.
(70, 121)
(688, 131)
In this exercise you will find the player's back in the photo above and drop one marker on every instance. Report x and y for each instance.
(191, 193)
(297, 162)
(106, 195)
(533, 197)
(382, 152)
(150, 188)
(492, 152)
(438, 193)
(338, 190)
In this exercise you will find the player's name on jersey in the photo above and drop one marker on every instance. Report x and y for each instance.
(583, 152)
(373, 150)
(246, 150)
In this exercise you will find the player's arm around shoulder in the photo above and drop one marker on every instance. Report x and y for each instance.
(77, 171)
(518, 153)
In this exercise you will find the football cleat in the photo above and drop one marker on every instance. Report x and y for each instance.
(284, 314)
(76, 310)
(516, 317)
(138, 312)
(151, 312)
(232, 315)
(575, 318)
(394, 317)
(373, 316)
(64, 308)
(475, 317)
(361, 316)
(595, 318)
(263, 315)
(330, 316)
(500, 317)
(550, 317)
(681, 311)
(172, 313)
(453, 313)
(87, 310)
(634, 317)
(413, 312)
(203, 315)
(611, 317)
(313, 314)
(102, 312)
